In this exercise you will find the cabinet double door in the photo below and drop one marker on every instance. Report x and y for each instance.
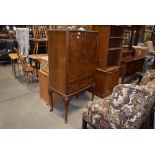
(82, 48)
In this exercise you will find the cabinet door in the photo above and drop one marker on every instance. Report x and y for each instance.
(90, 54)
(76, 47)
(108, 83)
(81, 56)
(115, 78)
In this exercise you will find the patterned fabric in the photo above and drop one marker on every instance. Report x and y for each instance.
(148, 76)
(94, 111)
(127, 107)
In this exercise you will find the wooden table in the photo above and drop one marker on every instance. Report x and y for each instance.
(36, 58)
(130, 65)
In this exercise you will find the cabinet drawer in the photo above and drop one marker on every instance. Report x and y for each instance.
(77, 86)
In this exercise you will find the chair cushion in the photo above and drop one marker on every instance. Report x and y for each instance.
(127, 107)
(94, 112)
(131, 102)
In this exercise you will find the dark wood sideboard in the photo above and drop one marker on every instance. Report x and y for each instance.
(130, 65)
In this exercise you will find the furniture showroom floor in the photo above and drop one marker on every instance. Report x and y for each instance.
(22, 108)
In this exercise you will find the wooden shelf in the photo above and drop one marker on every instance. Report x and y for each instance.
(114, 48)
(116, 37)
(125, 46)
(128, 51)
(130, 58)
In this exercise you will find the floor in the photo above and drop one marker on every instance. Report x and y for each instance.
(22, 108)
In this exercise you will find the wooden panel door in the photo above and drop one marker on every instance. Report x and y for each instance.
(90, 54)
(76, 48)
(108, 83)
(81, 56)
(115, 78)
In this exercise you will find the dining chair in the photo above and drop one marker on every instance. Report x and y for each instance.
(29, 71)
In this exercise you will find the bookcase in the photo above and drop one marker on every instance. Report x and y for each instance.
(110, 41)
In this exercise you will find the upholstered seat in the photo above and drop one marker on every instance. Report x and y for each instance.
(127, 107)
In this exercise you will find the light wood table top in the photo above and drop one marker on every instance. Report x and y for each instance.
(37, 56)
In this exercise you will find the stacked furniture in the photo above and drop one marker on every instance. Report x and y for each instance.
(72, 58)
(129, 106)
(108, 58)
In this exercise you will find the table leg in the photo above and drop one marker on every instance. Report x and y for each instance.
(66, 102)
(50, 92)
(124, 71)
(93, 92)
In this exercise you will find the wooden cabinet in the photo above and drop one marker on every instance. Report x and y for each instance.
(43, 84)
(72, 58)
(131, 65)
(108, 58)
(106, 80)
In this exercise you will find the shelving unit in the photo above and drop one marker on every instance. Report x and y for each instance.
(109, 58)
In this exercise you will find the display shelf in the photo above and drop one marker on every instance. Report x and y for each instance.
(116, 37)
(109, 58)
(114, 48)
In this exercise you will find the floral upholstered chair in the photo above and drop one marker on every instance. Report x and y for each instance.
(127, 107)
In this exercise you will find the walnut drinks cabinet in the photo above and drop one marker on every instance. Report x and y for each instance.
(72, 59)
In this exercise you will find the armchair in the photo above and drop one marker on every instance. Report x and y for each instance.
(129, 106)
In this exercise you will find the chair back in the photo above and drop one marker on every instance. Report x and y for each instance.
(22, 61)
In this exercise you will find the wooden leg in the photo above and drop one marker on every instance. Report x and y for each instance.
(84, 124)
(152, 119)
(124, 72)
(50, 93)
(147, 122)
(77, 96)
(93, 92)
(34, 50)
(30, 62)
(66, 102)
